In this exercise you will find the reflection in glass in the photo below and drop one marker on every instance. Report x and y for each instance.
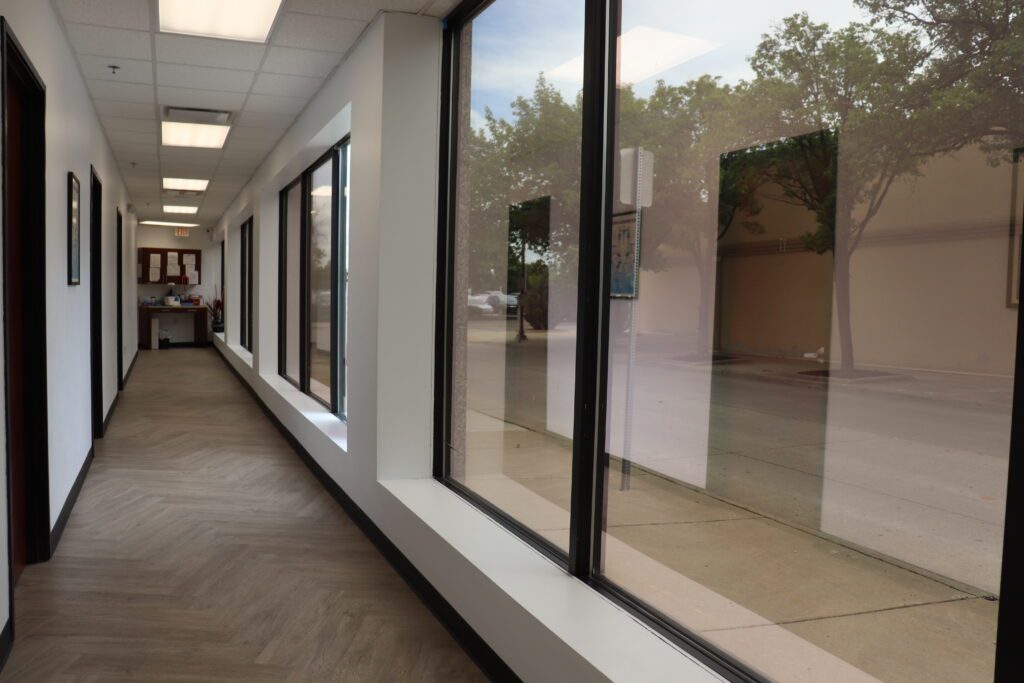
(292, 284)
(321, 202)
(516, 254)
(342, 207)
(811, 358)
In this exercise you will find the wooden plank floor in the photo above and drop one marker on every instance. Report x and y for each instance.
(201, 548)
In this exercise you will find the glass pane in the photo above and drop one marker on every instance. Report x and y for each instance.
(321, 199)
(343, 211)
(293, 257)
(516, 232)
(811, 341)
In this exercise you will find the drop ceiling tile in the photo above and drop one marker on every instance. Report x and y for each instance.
(128, 110)
(148, 138)
(265, 120)
(206, 78)
(141, 164)
(130, 71)
(440, 8)
(121, 92)
(201, 99)
(317, 33)
(339, 9)
(226, 54)
(272, 104)
(296, 62)
(287, 86)
(247, 133)
(109, 42)
(243, 155)
(238, 144)
(133, 149)
(133, 14)
(117, 123)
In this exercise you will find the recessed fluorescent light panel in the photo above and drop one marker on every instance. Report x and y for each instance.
(176, 134)
(249, 20)
(170, 224)
(644, 52)
(180, 209)
(186, 184)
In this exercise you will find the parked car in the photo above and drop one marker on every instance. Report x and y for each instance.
(504, 303)
(478, 306)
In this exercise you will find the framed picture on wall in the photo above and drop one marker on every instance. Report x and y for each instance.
(74, 230)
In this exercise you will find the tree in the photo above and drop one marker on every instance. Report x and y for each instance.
(855, 109)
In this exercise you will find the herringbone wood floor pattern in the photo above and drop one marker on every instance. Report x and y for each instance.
(201, 548)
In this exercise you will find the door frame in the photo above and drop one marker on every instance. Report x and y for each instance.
(120, 300)
(96, 298)
(37, 420)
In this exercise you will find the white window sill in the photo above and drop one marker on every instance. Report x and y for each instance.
(598, 637)
(314, 412)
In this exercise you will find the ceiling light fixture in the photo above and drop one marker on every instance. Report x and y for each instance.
(170, 224)
(248, 20)
(177, 134)
(186, 184)
(180, 209)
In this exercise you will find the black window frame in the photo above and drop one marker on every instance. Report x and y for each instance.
(245, 310)
(589, 456)
(337, 156)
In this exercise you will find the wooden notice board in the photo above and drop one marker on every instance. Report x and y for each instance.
(159, 266)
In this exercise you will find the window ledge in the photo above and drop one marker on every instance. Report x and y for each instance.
(332, 426)
(611, 642)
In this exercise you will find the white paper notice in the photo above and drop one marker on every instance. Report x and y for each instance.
(154, 275)
(188, 259)
(193, 277)
(173, 270)
(154, 260)
(172, 257)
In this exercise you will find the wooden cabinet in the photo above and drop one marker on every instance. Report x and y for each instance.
(158, 266)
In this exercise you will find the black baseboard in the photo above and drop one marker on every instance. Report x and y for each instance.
(110, 414)
(69, 504)
(131, 366)
(475, 646)
(6, 641)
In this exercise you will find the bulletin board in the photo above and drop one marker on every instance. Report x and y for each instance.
(169, 266)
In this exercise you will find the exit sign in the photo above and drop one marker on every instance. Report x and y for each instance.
(181, 232)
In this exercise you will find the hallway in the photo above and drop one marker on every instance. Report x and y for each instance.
(202, 548)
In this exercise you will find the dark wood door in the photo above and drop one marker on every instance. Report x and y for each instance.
(25, 305)
(96, 299)
(17, 102)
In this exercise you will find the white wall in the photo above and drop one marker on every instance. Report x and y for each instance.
(74, 140)
(386, 93)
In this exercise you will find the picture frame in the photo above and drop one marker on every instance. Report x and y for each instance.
(74, 230)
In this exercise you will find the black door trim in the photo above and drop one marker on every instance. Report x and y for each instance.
(120, 301)
(96, 298)
(37, 466)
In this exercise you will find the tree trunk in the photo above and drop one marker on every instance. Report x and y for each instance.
(841, 254)
(841, 276)
(705, 305)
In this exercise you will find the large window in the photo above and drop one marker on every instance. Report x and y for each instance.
(314, 275)
(732, 316)
(245, 310)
